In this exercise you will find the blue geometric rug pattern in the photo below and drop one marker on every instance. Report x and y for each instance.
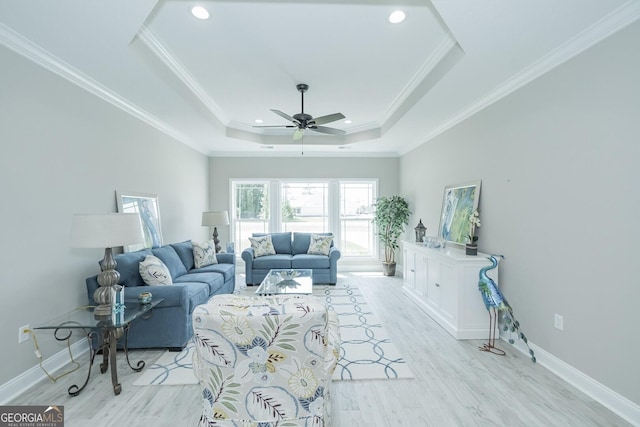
(366, 349)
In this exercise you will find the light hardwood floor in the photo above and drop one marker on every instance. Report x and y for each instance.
(454, 384)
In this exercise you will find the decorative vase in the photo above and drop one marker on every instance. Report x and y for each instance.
(389, 268)
(471, 249)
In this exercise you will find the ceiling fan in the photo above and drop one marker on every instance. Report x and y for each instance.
(303, 121)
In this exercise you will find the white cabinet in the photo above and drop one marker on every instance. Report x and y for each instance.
(444, 283)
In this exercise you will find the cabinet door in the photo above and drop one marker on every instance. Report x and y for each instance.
(448, 293)
(409, 269)
(432, 291)
(421, 274)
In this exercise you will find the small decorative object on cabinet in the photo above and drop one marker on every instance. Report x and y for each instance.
(444, 283)
(421, 230)
(391, 215)
(495, 302)
(474, 221)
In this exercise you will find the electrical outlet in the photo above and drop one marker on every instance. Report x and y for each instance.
(23, 333)
(559, 322)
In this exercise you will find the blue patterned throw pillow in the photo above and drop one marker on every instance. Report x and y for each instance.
(204, 254)
(262, 245)
(319, 245)
(154, 272)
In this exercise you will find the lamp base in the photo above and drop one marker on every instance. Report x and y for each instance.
(216, 241)
(103, 310)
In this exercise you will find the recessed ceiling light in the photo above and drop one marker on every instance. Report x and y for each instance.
(348, 122)
(200, 12)
(258, 121)
(396, 17)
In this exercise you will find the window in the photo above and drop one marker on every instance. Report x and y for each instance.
(344, 207)
(305, 207)
(356, 213)
(250, 209)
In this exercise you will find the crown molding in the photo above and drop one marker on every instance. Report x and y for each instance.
(33, 52)
(427, 67)
(625, 15)
(179, 70)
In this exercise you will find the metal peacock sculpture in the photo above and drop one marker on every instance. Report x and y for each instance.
(496, 302)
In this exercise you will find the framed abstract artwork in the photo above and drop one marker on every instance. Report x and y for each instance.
(458, 203)
(145, 205)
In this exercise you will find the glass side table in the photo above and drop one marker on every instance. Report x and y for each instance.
(111, 327)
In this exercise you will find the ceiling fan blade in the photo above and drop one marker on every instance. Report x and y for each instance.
(328, 118)
(286, 116)
(324, 129)
(275, 126)
(297, 135)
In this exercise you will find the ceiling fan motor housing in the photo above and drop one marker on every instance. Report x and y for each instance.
(303, 118)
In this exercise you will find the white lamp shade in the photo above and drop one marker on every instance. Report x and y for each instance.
(215, 218)
(105, 230)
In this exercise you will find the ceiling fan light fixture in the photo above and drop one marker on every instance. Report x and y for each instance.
(200, 12)
(348, 122)
(397, 16)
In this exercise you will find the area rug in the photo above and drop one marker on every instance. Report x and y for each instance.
(367, 351)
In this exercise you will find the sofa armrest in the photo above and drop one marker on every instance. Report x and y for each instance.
(334, 254)
(173, 295)
(226, 258)
(248, 256)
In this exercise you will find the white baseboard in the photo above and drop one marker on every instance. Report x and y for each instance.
(615, 402)
(18, 385)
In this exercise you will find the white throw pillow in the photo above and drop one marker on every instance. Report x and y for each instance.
(319, 245)
(154, 272)
(262, 245)
(204, 254)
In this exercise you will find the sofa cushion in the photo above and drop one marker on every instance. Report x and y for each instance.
(129, 267)
(310, 261)
(185, 252)
(212, 279)
(319, 245)
(227, 270)
(204, 254)
(281, 241)
(272, 261)
(301, 242)
(171, 259)
(262, 246)
(154, 272)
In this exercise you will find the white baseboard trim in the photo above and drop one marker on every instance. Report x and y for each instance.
(615, 402)
(18, 385)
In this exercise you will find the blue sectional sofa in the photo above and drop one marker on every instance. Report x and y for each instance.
(169, 325)
(291, 253)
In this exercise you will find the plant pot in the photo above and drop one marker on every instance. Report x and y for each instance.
(471, 249)
(389, 268)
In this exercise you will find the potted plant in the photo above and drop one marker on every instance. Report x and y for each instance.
(391, 215)
(474, 221)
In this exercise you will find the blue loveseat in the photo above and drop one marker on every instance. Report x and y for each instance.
(169, 325)
(291, 254)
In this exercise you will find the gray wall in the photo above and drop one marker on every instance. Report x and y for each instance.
(64, 151)
(222, 169)
(558, 160)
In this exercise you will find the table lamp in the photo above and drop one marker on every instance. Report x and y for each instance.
(106, 231)
(213, 219)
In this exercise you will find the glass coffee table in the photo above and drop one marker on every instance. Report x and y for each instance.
(110, 327)
(287, 281)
